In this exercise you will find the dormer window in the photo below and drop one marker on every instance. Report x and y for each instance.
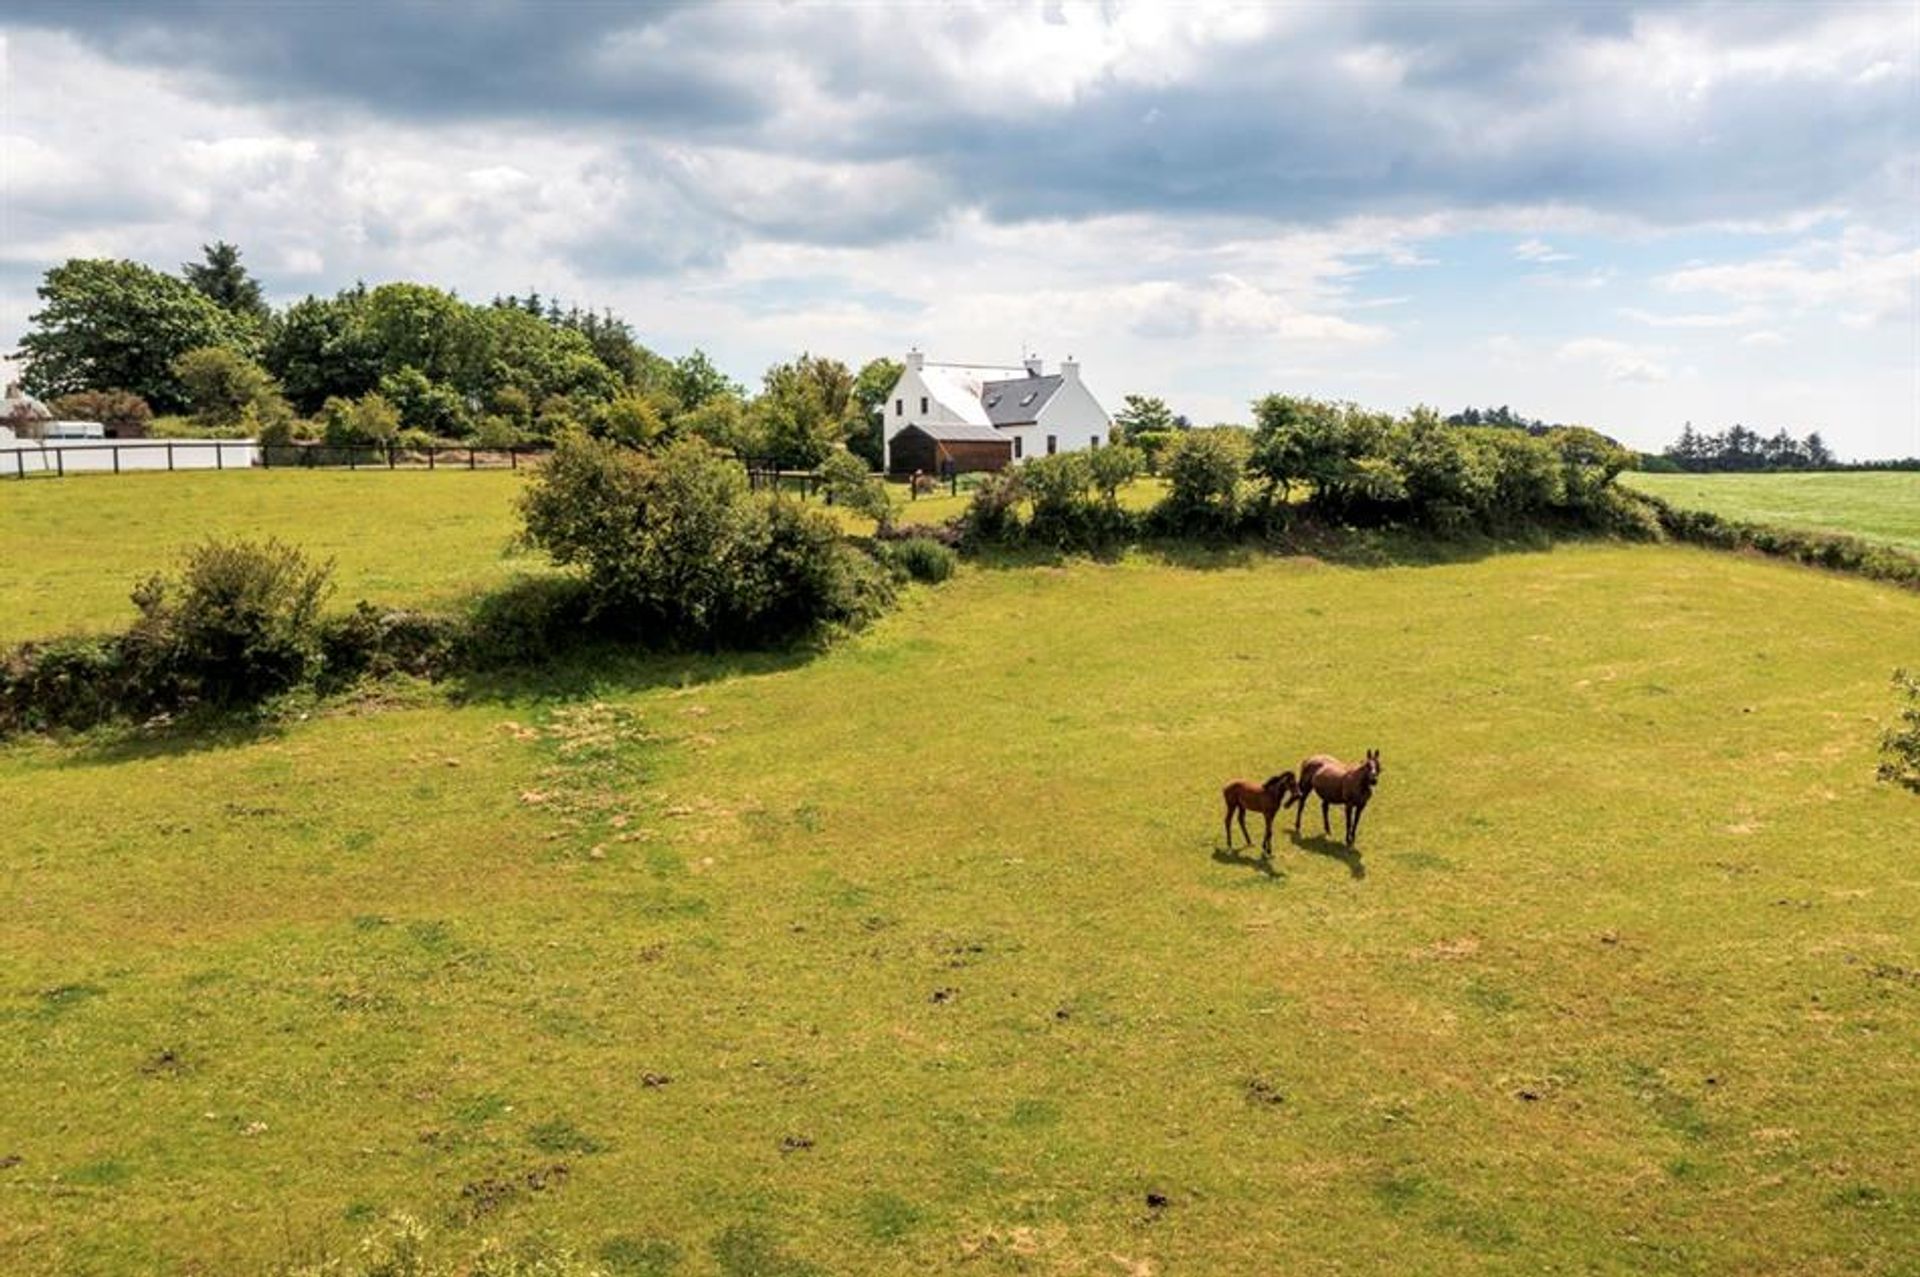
(993, 401)
(1031, 396)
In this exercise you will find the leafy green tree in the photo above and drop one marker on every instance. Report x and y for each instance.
(804, 410)
(695, 379)
(225, 282)
(1113, 468)
(1143, 413)
(849, 481)
(725, 422)
(120, 325)
(424, 404)
(1205, 469)
(870, 390)
(631, 419)
(321, 348)
(369, 420)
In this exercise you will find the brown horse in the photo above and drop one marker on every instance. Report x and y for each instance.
(1332, 781)
(1269, 800)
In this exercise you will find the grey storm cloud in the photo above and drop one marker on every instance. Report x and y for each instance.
(1481, 106)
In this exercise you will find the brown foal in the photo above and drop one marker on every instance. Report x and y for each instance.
(1269, 800)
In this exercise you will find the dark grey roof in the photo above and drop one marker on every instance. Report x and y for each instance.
(1018, 400)
(958, 432)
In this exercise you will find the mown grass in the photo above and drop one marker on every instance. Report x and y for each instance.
(1877, 505)
(925, 954)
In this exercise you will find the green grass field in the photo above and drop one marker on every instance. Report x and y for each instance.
(78, 545)
(925, 954)
(1877, 505)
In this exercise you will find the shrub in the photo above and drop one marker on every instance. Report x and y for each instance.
(992, 517)
(1204, 470)
(380, 641)
(424, 404)
(919, 558)
(1153, 445)
(525, 622)
(1900, 745)
(1059, 487)
(123, 413)
(496, 432)
(1113, 468)
(72, 683)
(848, 481)
(221, 383)
(676, 544)
(238, 625)
(369, 421)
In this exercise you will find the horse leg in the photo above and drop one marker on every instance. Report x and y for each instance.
(1228, 822)
(1266, 843)
(1326, 823)
(1243, 826)
(1354, 832)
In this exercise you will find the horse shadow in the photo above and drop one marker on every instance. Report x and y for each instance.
(1332, 849)
(1247, 860)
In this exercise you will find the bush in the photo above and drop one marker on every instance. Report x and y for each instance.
(1204, 468)
(221, 384)
(239, 624)
(525, 622)
(377, 642)
(496, 432)
(64, 684)
(424, 404)
(1152, 446)
(992, 517)
(1900, 745)
(124, 414)
(675, 544)
(848, 481)
(919, 558)
(369, 421)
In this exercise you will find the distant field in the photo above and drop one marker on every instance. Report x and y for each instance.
(74, 547)
(924, 955)
(1877, 505)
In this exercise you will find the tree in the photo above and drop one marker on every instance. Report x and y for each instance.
(870, 390)
(120, 325)
(321, 348)
(804, 409)
(1143, 413)
(221, 384)
(124, 415)
(225, 282)
(695, 380)
(1819, 456)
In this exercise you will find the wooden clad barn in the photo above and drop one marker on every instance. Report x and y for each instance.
(937, 449)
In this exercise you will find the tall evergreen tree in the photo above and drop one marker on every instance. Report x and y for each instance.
(225, 282)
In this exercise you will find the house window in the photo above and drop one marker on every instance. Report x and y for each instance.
(1031, 396)
(1016, 447)
(899, 407)
(923, 405)
(1093, 442)
(1053, 444)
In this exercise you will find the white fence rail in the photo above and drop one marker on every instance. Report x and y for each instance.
(22, 458)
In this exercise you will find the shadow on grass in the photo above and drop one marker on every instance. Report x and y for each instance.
(1245, 859)
(604, 668)
(119, 743)
(1332, 849)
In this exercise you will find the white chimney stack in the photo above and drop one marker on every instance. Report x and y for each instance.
(1033, 365)
(1070, 369)
(915, 359)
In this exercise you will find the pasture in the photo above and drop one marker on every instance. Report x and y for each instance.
(924, 954)
(1877, 505)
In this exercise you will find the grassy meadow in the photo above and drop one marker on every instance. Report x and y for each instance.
(1876, 505)
(925, 954)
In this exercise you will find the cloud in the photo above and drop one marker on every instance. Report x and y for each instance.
(1764, 337)
(1712, 319)
(1868, 278)
(1622, 362)
(1538, 250)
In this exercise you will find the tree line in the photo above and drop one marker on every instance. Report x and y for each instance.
(1739, 448)
(409, 362)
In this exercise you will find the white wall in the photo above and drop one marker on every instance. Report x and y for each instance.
(95, 456)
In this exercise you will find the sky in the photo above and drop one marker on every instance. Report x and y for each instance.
(1625, 215)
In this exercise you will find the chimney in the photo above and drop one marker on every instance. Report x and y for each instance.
(1070, 369)
(915, 359)
(1033, 365)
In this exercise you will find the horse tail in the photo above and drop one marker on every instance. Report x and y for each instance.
(1308, 768)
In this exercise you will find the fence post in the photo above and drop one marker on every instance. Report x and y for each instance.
(389, 454)
(219, 456)
(116, 456)
(431, 451)
(20, 463)
(60, 460)
(469, 458)
(953, 483)
(353, 457)
(513, 457)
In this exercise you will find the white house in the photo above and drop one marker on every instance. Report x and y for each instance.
(984, 416)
